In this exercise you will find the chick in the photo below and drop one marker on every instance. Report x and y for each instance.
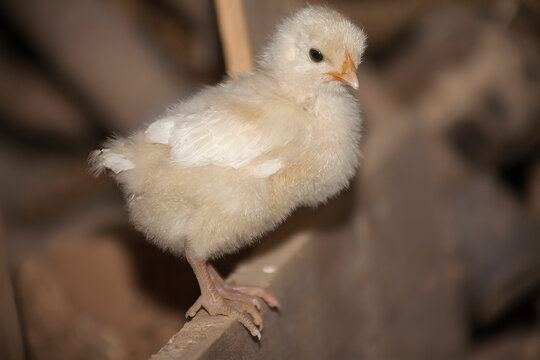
(223, 167)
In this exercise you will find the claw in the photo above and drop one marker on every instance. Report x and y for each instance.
(257, 303)
(257, 319)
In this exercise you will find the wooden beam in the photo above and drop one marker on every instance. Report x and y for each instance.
(315, 277)
(234, 36)
(11, 345)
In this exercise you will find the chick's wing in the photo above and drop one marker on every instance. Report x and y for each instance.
(233, 136)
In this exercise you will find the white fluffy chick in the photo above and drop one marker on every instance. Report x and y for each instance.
(221, 168)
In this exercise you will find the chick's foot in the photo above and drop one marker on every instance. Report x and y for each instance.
(244, 312)
(218, 298)
(242, 293)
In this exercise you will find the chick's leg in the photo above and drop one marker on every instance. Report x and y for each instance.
(245, 312)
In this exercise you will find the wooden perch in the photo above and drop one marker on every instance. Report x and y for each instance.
(234, 36)
(297, 270)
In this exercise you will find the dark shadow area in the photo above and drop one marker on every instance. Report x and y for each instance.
(164, 277)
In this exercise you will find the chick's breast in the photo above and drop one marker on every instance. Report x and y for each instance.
(331, 156)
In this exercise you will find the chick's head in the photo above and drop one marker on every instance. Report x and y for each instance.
(315, 49)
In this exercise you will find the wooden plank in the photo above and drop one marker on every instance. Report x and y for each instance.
(11, 344)
(315, 277)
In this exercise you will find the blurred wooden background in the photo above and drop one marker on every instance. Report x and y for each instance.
(445, 211)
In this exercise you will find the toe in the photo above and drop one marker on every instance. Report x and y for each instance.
(244, 312)
(245, 320)
(233, 295)
(255, 314)
(270, 300)
(194, 309)
(261, 293)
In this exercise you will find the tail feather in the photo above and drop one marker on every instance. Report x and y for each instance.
(109, 158)
(95, 159)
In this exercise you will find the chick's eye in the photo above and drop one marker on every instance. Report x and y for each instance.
(315, 55)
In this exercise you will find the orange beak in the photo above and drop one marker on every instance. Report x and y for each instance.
(348, 72)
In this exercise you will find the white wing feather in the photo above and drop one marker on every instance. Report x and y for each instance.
(159, 131)
(217, 138)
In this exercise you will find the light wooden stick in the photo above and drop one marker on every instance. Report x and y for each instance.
(234, 36)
